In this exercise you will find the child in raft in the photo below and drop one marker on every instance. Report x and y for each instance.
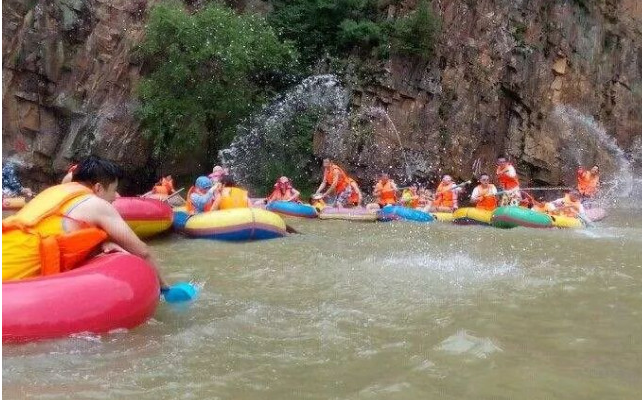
(283, 191)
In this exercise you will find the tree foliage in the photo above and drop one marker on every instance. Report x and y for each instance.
(204, 72)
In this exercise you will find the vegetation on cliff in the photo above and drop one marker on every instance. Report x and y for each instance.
(205, 72)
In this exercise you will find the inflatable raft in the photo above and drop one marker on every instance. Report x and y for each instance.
(13, 203)
(471, 216)
(147, 217)
(238, 224)
(443, 216)
(561, 221)
(513, 216)
(348, 214)
(390, 213)
(109, 292)
(292, 209)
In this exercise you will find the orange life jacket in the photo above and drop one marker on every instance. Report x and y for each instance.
(445, 196)
(232, 197)
(164, 186)
(34, 241)
(487, 200)
(587, 183)
(277, 195)
(342, 179)
(189, 205)
(387, 195)
(507, 182)
(353, 199)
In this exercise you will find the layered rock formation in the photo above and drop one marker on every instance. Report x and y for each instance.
(500, 69)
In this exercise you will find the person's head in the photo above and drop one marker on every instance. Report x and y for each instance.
(203, 183)
(502, 161)
(484, 179)
(283, 183)
(228, 181)
(384, 177)
(594, 169)
(101, 176)
(326, 162)
(447, 179)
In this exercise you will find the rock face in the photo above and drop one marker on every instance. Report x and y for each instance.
(68, 82)
(502, 72)
(501, 67)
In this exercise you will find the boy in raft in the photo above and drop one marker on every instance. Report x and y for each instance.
(411, 197)
(385, 191)
(283, 191)
(588, 181)
(569, 205)
(63, 225)
(336, 182)
(11, 186)
(484, 195)
(230, 196)
(355, 199)
(446, 195)
(201, 196)
(508, 180)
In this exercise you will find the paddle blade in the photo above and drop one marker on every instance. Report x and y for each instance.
(180, 292)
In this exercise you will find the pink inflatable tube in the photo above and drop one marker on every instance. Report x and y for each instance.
(109, 292)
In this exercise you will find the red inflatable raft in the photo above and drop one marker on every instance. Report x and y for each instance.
(147, 217)
(109, 292)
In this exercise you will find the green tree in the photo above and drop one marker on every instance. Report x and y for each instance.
(204, 72)
(416, 33)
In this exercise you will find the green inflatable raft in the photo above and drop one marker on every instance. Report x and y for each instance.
(512, 216)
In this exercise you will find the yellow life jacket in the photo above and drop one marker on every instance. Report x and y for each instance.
(233, 197)
(35, 242)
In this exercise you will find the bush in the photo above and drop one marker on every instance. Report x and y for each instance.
(203, 73)
(326, 26)
(415, 34)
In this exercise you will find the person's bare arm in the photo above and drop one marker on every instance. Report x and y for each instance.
(334, 184)
(104, 215)
(295, 195)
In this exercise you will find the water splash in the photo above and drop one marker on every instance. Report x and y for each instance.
(378, 112)
(584, 137)
(264, 139)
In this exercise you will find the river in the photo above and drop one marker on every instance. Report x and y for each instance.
(372, 311)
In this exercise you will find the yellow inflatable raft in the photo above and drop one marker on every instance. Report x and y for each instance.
(472, 216)
(443, 216)
(234, 225)
(561, 221)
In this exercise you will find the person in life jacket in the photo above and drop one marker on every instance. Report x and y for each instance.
(425, 200)
(63, 225)
(335, 182)
(230, 196)
(355, 198)
(385, 191)
(201, 196)
(217, 173)
(165, 186)
(484, 195)
(283, 191)
(410, 196)
(446, 195)
(508, 181)
(588, 181)
(569, 205)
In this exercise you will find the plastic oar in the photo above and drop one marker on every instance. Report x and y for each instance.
(179, 292)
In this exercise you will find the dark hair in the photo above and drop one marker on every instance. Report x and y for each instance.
(94, 170)
(501, 156)
(483, 174)
(228, 181)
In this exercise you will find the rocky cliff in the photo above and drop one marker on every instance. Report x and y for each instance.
(504, 78)
(530, 79)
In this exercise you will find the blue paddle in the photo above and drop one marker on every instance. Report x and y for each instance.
(179, 292)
